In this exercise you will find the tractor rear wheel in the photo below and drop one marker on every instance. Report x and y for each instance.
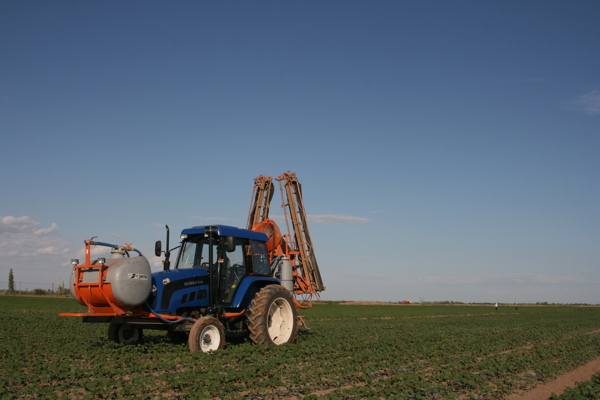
(124, 333)
(207, 334)
(273, 318)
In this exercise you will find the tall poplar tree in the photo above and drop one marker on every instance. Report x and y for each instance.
(11, 282)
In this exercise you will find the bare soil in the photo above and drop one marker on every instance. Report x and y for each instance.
(558, 386)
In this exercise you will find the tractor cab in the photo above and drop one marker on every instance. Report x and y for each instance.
(212, 264)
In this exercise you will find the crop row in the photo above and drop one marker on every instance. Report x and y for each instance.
(589, 390)
(418, 352)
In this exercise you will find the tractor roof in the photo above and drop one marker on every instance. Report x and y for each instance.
(224, 230)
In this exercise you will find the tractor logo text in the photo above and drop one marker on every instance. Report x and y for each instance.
(142, 277)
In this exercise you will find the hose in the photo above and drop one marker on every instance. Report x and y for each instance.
(116, 246)
(166, 320)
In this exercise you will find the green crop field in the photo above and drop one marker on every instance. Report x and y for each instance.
(350, 351)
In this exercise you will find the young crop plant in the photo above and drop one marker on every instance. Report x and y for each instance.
(349, 352)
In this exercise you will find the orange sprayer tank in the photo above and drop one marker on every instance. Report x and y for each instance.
(122, 282)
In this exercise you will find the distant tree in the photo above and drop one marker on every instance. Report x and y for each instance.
(11, 282)
(63, 291)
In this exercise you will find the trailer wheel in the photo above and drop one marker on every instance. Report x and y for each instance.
(124, 333)
(207, 334)
(273, 318)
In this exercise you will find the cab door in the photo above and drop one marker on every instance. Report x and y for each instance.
(233, 269)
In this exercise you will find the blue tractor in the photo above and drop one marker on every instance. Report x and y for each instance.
(224, 281)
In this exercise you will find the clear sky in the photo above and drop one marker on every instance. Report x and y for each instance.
(448, 150)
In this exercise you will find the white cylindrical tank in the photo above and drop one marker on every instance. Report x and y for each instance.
(131, 280)
(287, 279)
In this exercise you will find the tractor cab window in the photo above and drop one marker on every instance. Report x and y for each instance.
(195, 254)
(260, 258)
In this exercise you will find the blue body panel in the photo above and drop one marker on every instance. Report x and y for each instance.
(224, 230)
(256, 282)
(178, 288)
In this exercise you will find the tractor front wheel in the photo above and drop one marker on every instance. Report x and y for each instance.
(273, 318)
(207, 334)
(124, 333)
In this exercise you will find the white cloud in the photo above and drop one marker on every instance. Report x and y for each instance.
(10, 224)
(51, 250)
(313, 218)
(46, 231)
(23, 241)
(324, 219)
(590, 102)
(335, 219)
(117, 236)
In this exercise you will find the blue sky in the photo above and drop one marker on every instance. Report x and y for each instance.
(447, 150)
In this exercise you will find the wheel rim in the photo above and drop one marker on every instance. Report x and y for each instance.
(281, 321)
(209, 339)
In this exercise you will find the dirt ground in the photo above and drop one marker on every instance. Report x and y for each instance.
(558, 386)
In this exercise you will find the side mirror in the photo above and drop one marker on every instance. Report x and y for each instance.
(230, 244)
(158, 248)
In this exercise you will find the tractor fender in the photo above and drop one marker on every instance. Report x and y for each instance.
(249, 286)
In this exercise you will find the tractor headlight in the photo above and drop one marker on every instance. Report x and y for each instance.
(74, 261)
(102, 261)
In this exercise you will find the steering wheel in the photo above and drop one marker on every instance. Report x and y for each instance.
(238, 270)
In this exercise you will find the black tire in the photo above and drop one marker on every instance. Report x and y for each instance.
(124, 333)
(272, 316)
(207, 334)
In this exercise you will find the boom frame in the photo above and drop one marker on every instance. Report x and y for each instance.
(297, 244)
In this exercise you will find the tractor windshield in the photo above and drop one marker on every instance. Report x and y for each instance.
(195, 254)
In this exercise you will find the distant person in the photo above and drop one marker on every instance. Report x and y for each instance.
(516, 306)
(496, 305)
